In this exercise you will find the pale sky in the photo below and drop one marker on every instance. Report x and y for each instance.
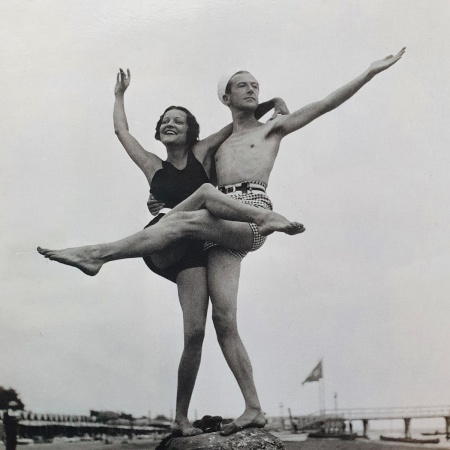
(367, 285)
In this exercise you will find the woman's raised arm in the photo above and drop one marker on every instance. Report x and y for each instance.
(148, 162)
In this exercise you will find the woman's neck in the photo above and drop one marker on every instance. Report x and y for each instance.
(177, 156)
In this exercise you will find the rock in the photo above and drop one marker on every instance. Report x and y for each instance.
(248, 439)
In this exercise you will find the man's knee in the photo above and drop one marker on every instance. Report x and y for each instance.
(225, 324)
(194, 337)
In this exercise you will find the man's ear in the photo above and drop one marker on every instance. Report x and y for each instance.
(226, 99)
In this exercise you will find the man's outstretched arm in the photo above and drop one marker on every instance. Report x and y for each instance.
(287, 124)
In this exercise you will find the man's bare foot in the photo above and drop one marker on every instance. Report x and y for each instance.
(183, 427)
(80, 257)
(250, 419)
(270, 221)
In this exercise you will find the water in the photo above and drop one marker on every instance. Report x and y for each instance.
(374, 435)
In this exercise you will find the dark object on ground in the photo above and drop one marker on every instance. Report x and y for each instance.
(11, 425)
(323, 435)
(163, 443)
(409, 440)
(248, 439)
(209, 424)
(348, 437)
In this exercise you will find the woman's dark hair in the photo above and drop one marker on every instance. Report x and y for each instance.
(193, 126)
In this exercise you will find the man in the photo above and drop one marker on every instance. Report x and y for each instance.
(248, 155)
(243, 165)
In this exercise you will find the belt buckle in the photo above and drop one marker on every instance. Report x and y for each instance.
(246, 188)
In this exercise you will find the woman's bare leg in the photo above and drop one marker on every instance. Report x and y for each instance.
(176, 225)
(224, 207)
(199, 225)
(193, 296)
(90, 259)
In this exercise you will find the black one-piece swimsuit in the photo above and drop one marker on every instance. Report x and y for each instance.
(171, 186)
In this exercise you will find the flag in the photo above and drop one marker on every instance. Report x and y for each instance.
(316, 374)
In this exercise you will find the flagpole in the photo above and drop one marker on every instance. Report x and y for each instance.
(323, 386)
(323, 396)
(320, 398)
(324, 406)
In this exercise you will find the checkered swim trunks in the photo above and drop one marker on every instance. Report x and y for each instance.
(258, 199)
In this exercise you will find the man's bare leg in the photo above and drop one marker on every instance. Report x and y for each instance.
(223, 283)
(193, 296)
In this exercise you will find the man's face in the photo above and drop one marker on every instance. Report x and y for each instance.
(244, 92)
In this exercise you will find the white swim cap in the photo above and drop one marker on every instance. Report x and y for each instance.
(224, 79)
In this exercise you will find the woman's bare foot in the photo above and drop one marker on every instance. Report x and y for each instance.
(251, 418)
(82, 258)
(270, 221)
(183, 427)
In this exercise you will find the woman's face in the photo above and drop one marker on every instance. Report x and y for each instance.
(174, 127)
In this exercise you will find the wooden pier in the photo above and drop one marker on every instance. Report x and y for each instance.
(368, 414)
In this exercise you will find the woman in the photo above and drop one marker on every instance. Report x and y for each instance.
(186, 170)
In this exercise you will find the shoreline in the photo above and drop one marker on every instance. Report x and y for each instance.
(361, 444)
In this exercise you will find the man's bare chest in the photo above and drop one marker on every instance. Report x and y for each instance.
(243, 149)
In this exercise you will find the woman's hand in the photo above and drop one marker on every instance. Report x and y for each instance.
(123, 81)
(277, 104)
(154, 206)
(279, 107)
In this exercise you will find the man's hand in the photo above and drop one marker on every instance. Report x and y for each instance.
(123, 81)
(308, 113)
(154, 206)
(279, 107)
(379, 66)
